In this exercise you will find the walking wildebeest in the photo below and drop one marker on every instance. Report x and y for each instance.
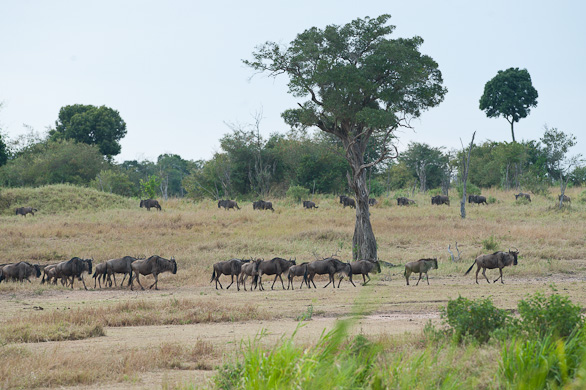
(119, 266)
(100, 273)
(440, 199)
(347, 201)
(402, 201)
(522, 195)
(154, 265)
(26, 210)
(478, 199)
(498, 260)
(49, 272)
(566, 198)
(297, 270)
(73, 268)
(228, 204)
(21, 271)
(249, 269)
(148, 203)
(364, 267)
(262, 205)
(372, 201)
(276, 266)
(421, 267)
(231, 267)
(331, 267)
(308, 204)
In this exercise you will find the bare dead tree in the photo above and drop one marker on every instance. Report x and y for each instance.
(466, 165)
(452, 253)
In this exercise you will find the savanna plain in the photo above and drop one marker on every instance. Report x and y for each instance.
(180, 335)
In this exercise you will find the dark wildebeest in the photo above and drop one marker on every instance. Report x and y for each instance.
(328, 266)
(364, 267)
(372, 201)
(402, 201)
(297, 270)
(262, 205)
(276, 266)
(49, 272)
(421, 267)
(346, 201)
(308, 204)
(119, 266)
(566, 198)
(249, 269)
(440, 199)
(154, 265)
(148, 203)
(522, 195)
(100, 273)
(73, 268)
(21, 271)
(231, 267)
(498, 260)
(478, 199)
(228, 204)
(26, 210)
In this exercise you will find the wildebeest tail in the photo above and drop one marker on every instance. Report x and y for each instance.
(470, 269)
(213, 276)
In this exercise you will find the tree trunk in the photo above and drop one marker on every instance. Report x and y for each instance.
(465, 177)
(513, 130)
(363, 242)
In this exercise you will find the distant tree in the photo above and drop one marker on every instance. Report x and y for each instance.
(91, 125)
(509, 94)
(114, 181)
(426, 163)
(357, 82)
(148, 187)
(4, 153)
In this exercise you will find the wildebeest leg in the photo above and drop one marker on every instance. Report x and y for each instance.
(311, 281)
(122, 282)
(282, 284)
(407, 275)
(368, 276)
(83, 281)
(290, 281)
(484, 273)
(427, 277)
(156, 282)
(500, 277)
(114, 276)
(138, 280)
(232, 276)
(331, 280)
(274, 281)
(243, 281)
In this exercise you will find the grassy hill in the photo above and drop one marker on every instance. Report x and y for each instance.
(61, 198)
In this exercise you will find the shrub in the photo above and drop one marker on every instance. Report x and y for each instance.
(490, 244)
(491, 200)
(297, 193)
(471, 189)
(477, 318)
(582, 197)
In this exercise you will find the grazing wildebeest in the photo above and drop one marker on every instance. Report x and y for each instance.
(249, 269)
(421, 267)
(372, 201)
(566, 198)
(364, 267)
(328, 266)
(153, 265)
(228, 204)
(100, 273)
(148, 203)
(522, 195)
(478, 199)
(297, 270)
(346, 201)
(73, 268)
(21, 271)
(308, 204)
(402, 201)
(498, 260)
(440, 199)
(231, 267)
(262, 205)
(119, 266)
(276, 266)
(26, 210)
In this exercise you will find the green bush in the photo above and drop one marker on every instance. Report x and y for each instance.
(582, 197)
(490, 244)
(473, 318)
(491, 200)
(297, 193)
(471, 189)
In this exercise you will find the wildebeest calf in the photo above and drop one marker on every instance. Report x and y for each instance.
(347, 201)
(421, 267)
(297, 270)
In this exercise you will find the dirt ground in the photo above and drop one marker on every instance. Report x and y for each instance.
(383, 308)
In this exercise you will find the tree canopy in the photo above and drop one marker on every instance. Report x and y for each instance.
(357, 82)
(509, 94)
(91, 125)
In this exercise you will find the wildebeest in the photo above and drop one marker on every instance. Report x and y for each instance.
(73, 268)
(364, 267)
(49, 272)
(440, 199)
(498, 260)
(25, 210)
(347, 201)
(372, 201)
(154, 265)
(262, 205)
(228, 204)
(231, 267)
(100, 273)
(328, 266)
(120, 266)
(566, 198)
(249, 269)
(478, 199)
(20, 271)
(148, 203)
(522, 195)
(402, 201)
(276, 266)
(297, 270)
(308, 204)
(421, 267)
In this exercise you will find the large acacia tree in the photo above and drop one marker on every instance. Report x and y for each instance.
(357, 82)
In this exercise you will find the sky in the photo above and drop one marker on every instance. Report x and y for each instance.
(174, 71)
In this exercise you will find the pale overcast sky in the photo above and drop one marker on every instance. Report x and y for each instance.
(173, 69)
